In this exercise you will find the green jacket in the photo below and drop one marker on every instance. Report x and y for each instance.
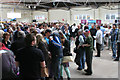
(89, 40)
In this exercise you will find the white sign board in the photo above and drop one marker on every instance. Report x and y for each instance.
(40, 17)
(13, 15)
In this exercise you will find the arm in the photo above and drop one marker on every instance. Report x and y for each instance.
(81, 40)
(17, 64)
(57, 44)
(43, 64)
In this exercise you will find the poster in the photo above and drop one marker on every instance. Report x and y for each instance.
(107, 16)
(80, 17)
(76, 17)
(98, 22)
(40, 17)
(88, 17)
(83, 21)
(84, 16)
(112, 16)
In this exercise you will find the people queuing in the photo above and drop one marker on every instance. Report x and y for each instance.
(40, 47)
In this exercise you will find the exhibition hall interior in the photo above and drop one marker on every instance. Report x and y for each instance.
(59, 39)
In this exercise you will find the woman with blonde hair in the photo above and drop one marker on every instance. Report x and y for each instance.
(66, 52)
(42, 45)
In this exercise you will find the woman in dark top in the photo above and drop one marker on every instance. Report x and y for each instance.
(42, 45)
(5, 40)
(66, 52)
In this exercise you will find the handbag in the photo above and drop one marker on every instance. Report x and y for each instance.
(75, 50)
(67, 59)
(44, 72)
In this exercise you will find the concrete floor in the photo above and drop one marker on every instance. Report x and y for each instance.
(103, 67)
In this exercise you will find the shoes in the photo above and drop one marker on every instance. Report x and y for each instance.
(97, 56)
(108, 49)
(113, 57)
(61, 78)
(68, 78)
(79, 69)
(88, 73)
(86, 70)
(94, 49)
(116, 59)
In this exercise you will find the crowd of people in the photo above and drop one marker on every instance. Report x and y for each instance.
(31, 50)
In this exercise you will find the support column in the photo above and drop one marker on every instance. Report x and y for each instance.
(70, 17)
(48, 16)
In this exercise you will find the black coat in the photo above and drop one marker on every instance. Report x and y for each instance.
(18, 44)
(43, 47)
(66, 50)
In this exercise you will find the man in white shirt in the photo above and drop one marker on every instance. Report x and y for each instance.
(98, 41)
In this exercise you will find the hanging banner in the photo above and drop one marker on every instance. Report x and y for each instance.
(98, 22)
(83, 21)
(91, 21)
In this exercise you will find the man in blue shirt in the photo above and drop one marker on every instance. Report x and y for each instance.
(113, 34)
(103, 31)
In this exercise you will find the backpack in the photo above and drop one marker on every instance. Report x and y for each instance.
(9, 70)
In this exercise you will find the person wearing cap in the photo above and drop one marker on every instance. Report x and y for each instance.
(47, 34)
(118, 44)
(113, 34)
(89, 52)
(98, 41)
(56, 50)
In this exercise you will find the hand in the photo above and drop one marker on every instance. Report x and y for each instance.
(82, 45)
(63, 47)
(49, 54)
(50, 38)
(78, 46)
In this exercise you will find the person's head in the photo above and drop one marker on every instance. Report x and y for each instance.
(114, 26)
(18, 28)
(78, 26)
(74, 24)
(62, 37)
(101, 24)
(98, 27)
(21, 34)
(40, 26)
(109, 27)
(39, 37)
(48, 32)
(30, 40)
(1, 34)
(26, 28)
(6, 36)
(9, 30)
(80, 31)
(87, 32)
(33, 31)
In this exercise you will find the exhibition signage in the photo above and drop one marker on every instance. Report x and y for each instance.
(98, 22)
(83, 21)
(91, 21)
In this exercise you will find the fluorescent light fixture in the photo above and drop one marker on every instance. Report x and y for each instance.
(13, 15)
